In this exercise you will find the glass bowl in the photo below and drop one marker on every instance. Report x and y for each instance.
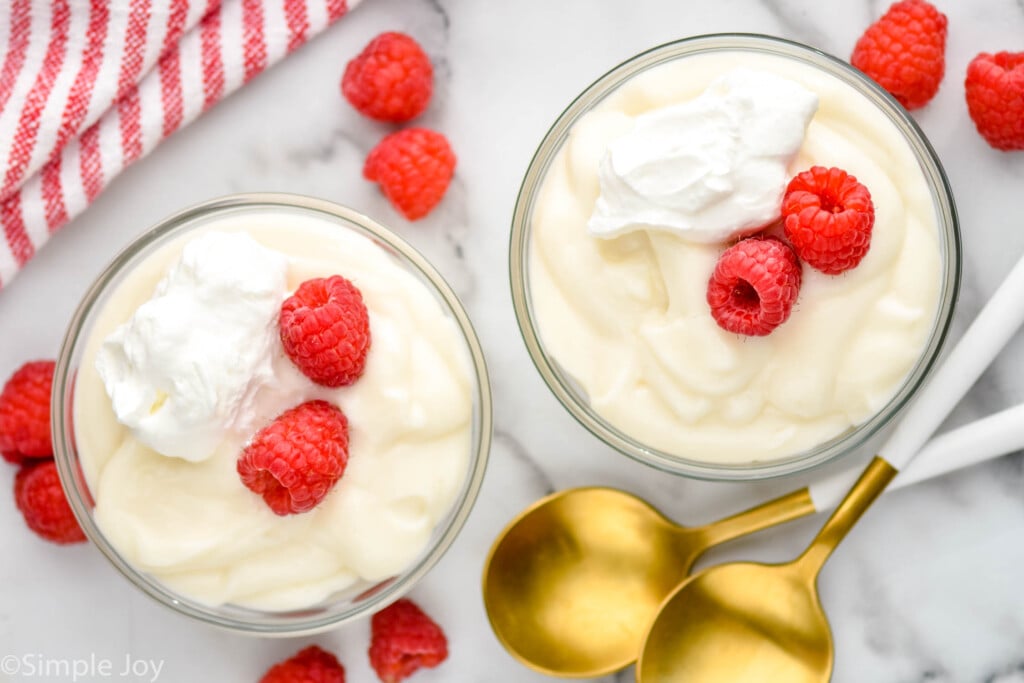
(568, 391)
(364, 598)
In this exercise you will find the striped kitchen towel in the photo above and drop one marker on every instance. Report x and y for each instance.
(89, 86)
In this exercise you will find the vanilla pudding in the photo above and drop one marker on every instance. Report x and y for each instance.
(625, 232)
(163, 477)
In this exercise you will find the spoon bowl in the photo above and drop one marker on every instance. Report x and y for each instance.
(575, 579)
(572, 583)
(750, 623)
(743, 622)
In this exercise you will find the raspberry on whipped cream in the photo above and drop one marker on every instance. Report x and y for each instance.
(709, 169)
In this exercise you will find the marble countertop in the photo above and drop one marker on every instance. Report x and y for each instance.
(927, 588)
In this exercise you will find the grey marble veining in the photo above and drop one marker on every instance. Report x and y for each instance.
(927, 589)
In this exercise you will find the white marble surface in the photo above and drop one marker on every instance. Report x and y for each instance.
(927, 588)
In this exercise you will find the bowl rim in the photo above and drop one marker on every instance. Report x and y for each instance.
(560, 383)
(266, 623)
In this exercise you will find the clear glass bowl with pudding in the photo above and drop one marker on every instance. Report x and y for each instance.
(618, 324)
(189, 533)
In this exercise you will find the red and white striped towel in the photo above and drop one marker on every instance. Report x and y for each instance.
(89, 86)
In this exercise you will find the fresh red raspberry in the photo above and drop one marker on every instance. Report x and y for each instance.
(310, 665)
(828, 218)
(995, 98)
(403, 639)
(413, 167)
(905, 52)
(325, 330)
(296, 460)
(753, 286)
(14, 457)
(390, 80)
(25, 413)
(39, 496)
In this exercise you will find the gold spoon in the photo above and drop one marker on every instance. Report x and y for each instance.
(572, 583)
(600, 551)
(758, 623)
(745, 623)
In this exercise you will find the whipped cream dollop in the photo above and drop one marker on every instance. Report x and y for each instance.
(709, 169)
(191, 360)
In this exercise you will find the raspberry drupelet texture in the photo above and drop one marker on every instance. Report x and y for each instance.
(403, 639)
(309, 665)
(905, 52)
(994, 88)
(25, 413)
(828, 217)
(754, 285)
(390, 80)
(413, 167)
(295, 461)
(325, 330)
(40, 498)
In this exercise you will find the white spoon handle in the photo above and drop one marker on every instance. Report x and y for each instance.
(987, 335)
(987, 438)
(982, 440)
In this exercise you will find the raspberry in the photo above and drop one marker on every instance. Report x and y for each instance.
(296, 460)
(390, 80)
(25, 413)
(753, 286)
(310, 665)
(403, 639)
(995, 98)
(39, 496)
(413, 167)
(13, 457)
(325, 330)
(904, 52)
(828, 218)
